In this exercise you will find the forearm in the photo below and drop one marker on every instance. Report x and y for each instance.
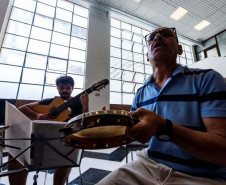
(203, 145)
(28, 112)
(85, 109)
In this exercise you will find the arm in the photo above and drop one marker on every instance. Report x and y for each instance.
(85, 102)
(209, 145)
(27, 110)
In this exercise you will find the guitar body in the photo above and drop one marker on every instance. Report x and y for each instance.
(55, 103)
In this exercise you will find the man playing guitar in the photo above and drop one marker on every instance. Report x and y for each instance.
(65, 86)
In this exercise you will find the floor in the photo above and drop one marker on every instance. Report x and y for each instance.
(95, 165)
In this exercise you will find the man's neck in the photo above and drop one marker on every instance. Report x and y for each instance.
(161, 73)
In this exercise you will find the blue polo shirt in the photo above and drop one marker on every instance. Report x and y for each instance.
(187, 96)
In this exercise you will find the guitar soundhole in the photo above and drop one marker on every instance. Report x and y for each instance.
(53, 113)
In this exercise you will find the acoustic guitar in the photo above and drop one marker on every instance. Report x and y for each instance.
(58, 109)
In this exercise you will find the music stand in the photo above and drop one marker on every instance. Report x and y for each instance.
(40, 144)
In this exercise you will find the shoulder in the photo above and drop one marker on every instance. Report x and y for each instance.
(46, 101)
(196, 71)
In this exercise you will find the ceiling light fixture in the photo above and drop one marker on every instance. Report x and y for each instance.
(137, 1)
(178, 14)
(202, 25)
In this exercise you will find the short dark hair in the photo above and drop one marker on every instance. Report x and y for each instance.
(65, 80)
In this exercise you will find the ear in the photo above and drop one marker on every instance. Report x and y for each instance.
(147, 56)
(179, 49)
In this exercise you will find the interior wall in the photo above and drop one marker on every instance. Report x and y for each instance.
(98, 57)
(5, 7)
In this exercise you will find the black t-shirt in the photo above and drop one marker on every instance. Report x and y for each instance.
(76, 108)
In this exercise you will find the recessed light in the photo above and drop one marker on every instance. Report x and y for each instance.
(202, 25)
(178, 14)
(137, 1)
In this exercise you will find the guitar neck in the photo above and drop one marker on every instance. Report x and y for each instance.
(73, 100)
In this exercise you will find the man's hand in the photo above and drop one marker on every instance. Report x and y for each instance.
(42, 116)
(147, 127)
(84, 98)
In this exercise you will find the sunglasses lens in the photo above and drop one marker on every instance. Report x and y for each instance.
(164, 33)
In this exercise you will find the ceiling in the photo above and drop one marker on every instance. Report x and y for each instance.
(158, 12)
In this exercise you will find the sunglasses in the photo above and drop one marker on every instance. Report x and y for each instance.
(167, 32)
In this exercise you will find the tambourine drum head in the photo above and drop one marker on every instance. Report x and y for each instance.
(104, 130)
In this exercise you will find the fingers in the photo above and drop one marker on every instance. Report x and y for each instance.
(140, 112)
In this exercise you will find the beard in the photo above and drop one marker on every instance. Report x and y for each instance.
(64, 96)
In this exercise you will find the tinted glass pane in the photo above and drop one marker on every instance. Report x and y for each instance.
(59, 51)
(33, 76)
(57, 65)
(125, 26)
(115, 85)
(139, 78)
(78, 10)
(79, 32)
(62, 26)
(63, 15)
(127, 75)
(115, 62)
(78, 43)
(115, 74)
(65, 5)
(139, 67)
(127, 55)
(30, 92)
(77, 55)
(25, 4)
(14, 72)
(80, 21)
(115, 98)
(115, 52)
(50, 92)
(8, 90)
(61, 39)
(43, 21)
(51, 78)
(46, 10)
(41, 34)
(76, 67)
(38, 47)
(115, 23)
(15, 42)
(115, 32)
(127, 99)
(18, 28)
(21, 15)
(128, 87)
(115, 42)
(51, 2)
(36, 61)
(127, 65)
(13, 57)
(79, 81)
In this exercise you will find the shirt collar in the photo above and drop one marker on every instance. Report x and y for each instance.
(179, 69)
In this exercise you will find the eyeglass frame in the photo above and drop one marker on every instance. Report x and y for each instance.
(174, 30)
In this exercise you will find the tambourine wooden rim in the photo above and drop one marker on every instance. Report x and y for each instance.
(78, 131)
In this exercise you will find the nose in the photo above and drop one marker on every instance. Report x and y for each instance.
(158, 36)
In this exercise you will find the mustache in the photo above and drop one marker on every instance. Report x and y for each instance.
(65, 93)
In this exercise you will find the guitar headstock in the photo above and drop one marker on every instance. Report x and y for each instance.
(100, 85)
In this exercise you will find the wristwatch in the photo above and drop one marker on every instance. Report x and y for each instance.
(165, 133)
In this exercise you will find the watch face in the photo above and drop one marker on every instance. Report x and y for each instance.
(164, 137)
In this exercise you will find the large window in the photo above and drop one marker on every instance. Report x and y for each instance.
(128, 67)
(44, 40)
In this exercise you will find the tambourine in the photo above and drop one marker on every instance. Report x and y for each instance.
(98, 130)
